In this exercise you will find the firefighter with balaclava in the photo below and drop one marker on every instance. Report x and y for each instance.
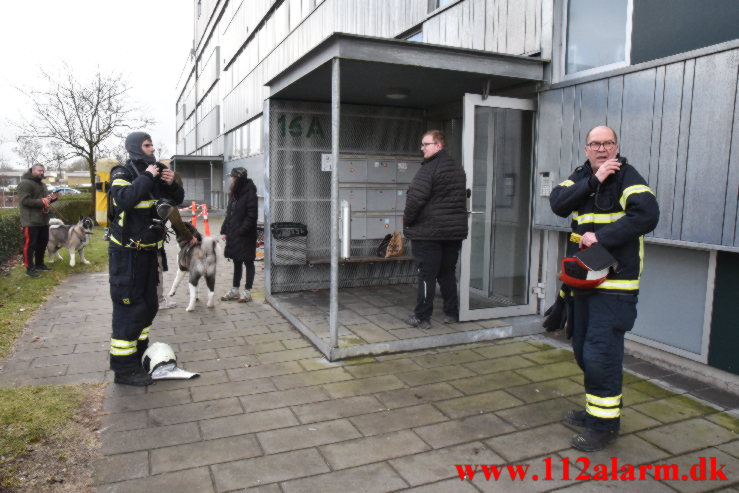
(136, 234)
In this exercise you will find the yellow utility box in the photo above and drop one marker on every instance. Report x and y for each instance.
(102, 185)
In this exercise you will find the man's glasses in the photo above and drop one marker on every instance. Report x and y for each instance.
(148, 145)
(608, 146)
(424, 144)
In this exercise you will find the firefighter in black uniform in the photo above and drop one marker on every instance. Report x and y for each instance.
(136, 234)
(611, 204)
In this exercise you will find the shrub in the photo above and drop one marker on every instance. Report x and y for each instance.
(70, 208)
(11, 239)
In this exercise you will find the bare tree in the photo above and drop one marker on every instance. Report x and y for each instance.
(85, 117)
(30, 149)
(161, 151)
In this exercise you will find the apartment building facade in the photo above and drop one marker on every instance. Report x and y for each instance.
(516, 85)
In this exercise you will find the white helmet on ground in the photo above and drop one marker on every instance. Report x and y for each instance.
(158, 354)
(160, 361)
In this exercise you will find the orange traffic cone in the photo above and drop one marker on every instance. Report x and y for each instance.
(204, 209)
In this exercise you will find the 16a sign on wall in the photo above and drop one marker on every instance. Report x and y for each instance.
(300, 126)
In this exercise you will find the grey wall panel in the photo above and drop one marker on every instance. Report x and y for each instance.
(549, 141)
(654, 151)
(682, 325)
(635, 141)
(615, 103)
(682, 149)
(593, 109)
(709, 147)
(568, 153)
(731, 221)
(664, 186)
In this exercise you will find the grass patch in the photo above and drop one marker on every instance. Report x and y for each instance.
(29, 414)
(22, 295)
(48, 439)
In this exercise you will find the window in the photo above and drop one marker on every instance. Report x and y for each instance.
(437, 4)
(416, 36)
(598, 35)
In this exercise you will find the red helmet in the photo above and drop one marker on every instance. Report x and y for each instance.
(587, 268)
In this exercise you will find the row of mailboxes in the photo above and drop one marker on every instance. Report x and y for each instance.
(373, 199)
(374, 226)
(378, 170)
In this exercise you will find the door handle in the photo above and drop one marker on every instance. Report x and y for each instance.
(475, 212)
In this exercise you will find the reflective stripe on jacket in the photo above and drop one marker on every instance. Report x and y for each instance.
(625, 211)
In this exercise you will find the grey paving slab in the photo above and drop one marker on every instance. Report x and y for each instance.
(397, 419)
(418, 395)
(194, 411)
(190, 481)
(261, 371)
(147, 401)
(488, 382)
(448, 486)
(434, 375)
(306, 436)
(268, 469)
(463, 430)
(337, 408)
(431, 467)
(383, 368)
(224, 388)
(204, 453)
(118, 442)
(363, 386)
(685, 436)
(537, 414)
(526, 444)
(306, 379)
(373, 449)
(247, 423)
(373, 478)
(478, 403)
(283, 398)
(121, 467)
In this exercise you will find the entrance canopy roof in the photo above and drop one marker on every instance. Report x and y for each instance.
(391, 72)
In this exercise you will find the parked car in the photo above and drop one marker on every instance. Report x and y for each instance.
(66, 191)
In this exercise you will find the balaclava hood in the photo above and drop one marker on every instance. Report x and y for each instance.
(133, 146)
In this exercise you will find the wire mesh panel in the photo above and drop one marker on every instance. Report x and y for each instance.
(374, 140)
(300, 186)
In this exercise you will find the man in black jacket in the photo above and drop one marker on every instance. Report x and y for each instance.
(435, 219)
(136, 235)
(611, 204)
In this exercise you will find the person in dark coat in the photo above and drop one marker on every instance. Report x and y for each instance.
(239, 230)
(33, 202)
(435, 220)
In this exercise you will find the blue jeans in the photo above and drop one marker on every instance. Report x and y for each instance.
(599, 324)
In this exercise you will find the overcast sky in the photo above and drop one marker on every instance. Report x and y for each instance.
(148, 41)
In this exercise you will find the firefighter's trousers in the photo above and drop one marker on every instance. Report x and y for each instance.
(599, 324)
(133, 290)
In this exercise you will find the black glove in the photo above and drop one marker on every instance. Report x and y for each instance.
(555, 318)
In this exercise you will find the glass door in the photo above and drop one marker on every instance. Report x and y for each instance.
(497, 268)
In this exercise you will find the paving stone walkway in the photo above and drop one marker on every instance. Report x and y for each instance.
(269, 414)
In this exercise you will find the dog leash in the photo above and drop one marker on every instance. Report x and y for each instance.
(57, 212)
